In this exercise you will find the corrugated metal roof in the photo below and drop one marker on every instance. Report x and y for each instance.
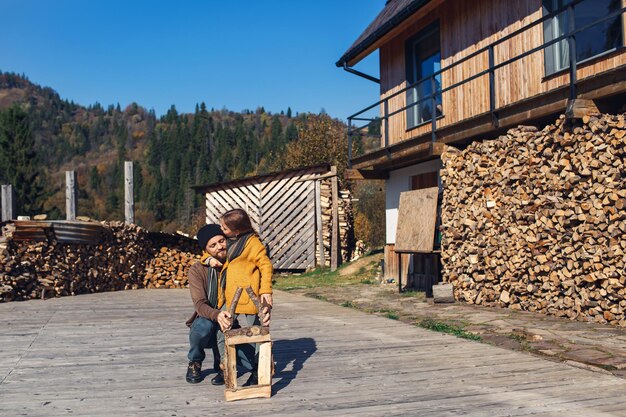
(394, 12)
(87, 233)
(78, 232)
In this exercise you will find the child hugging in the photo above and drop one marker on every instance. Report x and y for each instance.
(247, 264)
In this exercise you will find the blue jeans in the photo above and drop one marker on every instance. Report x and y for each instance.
(202, 336)
(247, 354)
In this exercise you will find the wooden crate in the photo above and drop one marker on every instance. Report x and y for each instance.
(253, 334)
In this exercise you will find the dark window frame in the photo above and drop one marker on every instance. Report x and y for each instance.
(552, 65)
(413, 117)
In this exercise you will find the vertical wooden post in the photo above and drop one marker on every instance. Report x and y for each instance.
(70, 195)
(8, 203)
(623, 23)
(129, 199)
(335, 244)
(318, 223)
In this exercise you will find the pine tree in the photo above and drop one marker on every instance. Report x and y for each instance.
(19, 163)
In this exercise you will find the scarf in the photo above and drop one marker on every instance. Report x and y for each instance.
(235, 249)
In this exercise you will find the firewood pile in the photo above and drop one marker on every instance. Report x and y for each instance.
(345, 221)
(169, 266)
(127, 257)
(536, 220)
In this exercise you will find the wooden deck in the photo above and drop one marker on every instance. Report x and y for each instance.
(124, 354)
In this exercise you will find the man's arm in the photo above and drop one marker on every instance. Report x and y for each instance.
(197, 288)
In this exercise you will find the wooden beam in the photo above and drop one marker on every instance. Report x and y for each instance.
(244, 393)
(335, 245)
(318, 224)
(623, 24)
(365, 174)
(8, 203)
(129, 198)
(70, 195)
(425, 149)
(242, 339)
(579, 108)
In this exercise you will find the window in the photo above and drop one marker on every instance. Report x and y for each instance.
(423, 57)
(600, 38)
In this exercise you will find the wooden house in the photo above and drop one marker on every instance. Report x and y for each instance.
(455, 71)
(300, 214)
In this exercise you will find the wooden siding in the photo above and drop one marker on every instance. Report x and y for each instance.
(282, 210)
(391, 264)
(465, 28)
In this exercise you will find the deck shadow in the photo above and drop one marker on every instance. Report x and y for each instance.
(290, 351)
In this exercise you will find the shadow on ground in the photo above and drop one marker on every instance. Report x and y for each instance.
(289, 357)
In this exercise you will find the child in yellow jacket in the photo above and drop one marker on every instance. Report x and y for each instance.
(247, 264)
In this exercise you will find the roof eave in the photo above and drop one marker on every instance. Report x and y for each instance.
(385, 28)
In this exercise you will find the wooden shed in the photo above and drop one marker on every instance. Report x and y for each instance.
(300, 215)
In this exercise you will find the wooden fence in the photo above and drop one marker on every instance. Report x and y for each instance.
(8, 208)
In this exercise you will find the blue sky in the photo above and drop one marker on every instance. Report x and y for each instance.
(237, 54)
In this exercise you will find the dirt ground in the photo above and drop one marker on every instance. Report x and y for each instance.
(596, 347)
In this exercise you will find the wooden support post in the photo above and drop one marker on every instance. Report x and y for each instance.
(335, 244)
(318, 223)
(579, 108)
(70, 195)
(129, 199)
(8, 203)
(623, 23)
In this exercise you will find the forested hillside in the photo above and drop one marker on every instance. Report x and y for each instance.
(42, 136)
(170, 153)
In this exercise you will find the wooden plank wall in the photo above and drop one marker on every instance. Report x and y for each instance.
(282, 210)
(288, 218)
(467, 26)
(391, 264)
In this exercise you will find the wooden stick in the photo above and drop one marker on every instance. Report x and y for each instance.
(256, 302)
(233, 304)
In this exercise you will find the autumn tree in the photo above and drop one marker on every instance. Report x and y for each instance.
(321, 139)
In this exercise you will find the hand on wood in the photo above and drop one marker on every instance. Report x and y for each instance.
(225, 320)
(267, 300)
(266, 318)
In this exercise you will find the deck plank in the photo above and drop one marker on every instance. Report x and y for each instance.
(124, 353)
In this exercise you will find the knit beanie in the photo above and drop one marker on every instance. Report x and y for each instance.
(208, 232)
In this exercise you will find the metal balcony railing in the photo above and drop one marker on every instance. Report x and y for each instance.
(570, 37)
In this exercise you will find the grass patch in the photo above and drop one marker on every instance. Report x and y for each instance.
(392, 315)
(518, 338)
(348, 304)
(316, 296)
(442, 327)
(411, 293)
(323, 277)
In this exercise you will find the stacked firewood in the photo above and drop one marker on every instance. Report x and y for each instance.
(536, 220)
(170, 265)
(127, 257)
(345, 221)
